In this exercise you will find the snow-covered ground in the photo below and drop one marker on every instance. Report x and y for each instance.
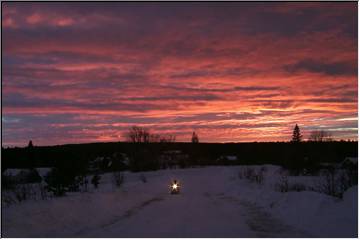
(213, 202)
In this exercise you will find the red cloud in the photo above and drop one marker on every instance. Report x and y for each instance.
(241, 72)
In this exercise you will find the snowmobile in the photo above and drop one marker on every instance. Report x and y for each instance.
(175, 187)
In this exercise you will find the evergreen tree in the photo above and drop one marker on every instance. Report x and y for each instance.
(194, 138)
(66, 176)
(296, 134)
(30, 155)
(58, 181)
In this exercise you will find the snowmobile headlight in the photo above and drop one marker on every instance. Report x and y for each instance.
(174, 186)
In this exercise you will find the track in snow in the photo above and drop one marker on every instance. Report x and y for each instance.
(196, 212)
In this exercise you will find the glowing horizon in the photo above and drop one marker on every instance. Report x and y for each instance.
(232, 71)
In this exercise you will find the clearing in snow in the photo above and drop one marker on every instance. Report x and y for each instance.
(213, 202)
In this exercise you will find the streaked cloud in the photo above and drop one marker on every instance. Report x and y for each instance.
(233, 71)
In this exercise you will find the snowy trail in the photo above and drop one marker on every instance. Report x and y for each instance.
(193, 213)
(129, 213)
(213, 203)
(266, 225)
(178, 216)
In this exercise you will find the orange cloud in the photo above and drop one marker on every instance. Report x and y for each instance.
(87, 72)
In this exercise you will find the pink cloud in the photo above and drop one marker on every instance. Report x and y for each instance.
(231, 76)
(34, 18)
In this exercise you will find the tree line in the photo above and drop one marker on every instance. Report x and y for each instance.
(315, 135)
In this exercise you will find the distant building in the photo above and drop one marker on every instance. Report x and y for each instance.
(96, 164)
(22, 175)
(349, 162)
(228, 158)
(117, 161)
(172, 158)
(13, 172)
(327, 165)
(43, 172)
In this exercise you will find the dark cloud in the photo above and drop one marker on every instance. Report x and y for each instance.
(234, 89)
(207, 97)
(76, 72)
(333, 100)
(214, 73)
(338, 68)
(13, 101)
(275, 103)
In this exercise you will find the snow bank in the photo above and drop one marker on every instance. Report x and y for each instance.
(213, 202)
(319, 214)
(43, 172)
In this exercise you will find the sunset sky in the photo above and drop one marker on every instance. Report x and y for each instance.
(233, 72)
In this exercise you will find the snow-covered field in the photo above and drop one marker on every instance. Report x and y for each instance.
(213, 202)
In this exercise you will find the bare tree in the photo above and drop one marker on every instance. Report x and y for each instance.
(138, 135)
(144, 156)
(320, 136)
(167, 138)
(155, 138)
(141, 135)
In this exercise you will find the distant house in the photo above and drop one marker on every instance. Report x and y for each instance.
(349, 162)
(227, 158)
(123, 158)
(329, 165)
(96, 164)
(22, 175)
(116, 161)
(353, 160)
(15, 172)
(172, 158)
(43, 172)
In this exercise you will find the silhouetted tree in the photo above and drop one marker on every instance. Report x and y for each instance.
(30, 153)
(66, 176)
(33, 176)
(320, 136)
(167, 138)
(194, 138)
(138, 135)
(58, 181)
(296, 137)
(142, 154)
